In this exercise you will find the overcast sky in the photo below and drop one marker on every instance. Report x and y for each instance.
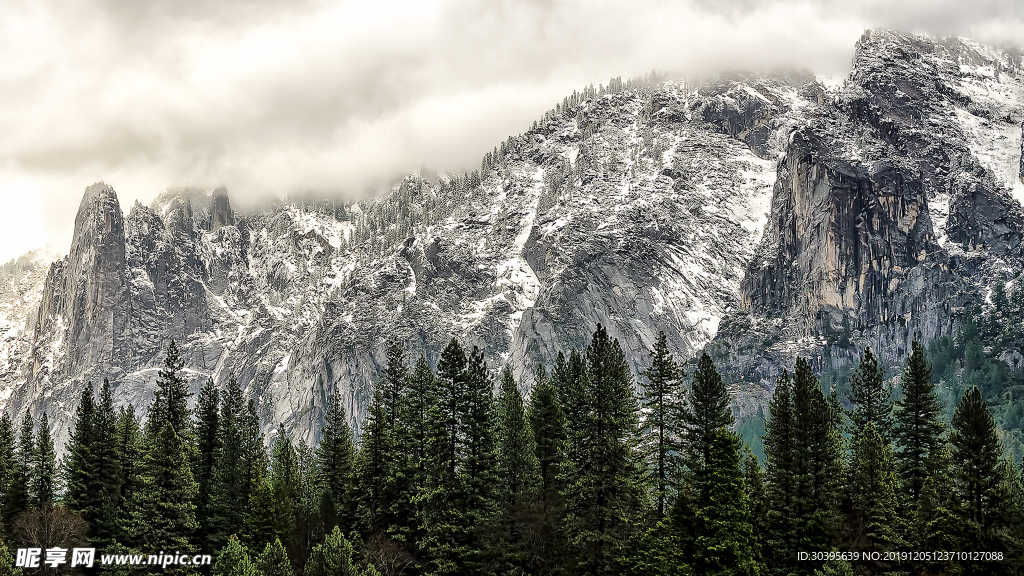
(277, 97)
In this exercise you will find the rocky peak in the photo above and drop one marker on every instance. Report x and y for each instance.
(220, 210)
(85, 296)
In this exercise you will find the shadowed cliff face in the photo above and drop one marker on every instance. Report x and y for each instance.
(892, 212)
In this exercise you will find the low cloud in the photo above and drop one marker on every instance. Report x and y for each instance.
(276, 97)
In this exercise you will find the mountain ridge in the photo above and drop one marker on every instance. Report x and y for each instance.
(642, 207)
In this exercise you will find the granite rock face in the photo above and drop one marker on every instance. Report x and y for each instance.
(892, 212)
(758, 217)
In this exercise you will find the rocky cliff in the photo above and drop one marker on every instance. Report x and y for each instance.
(763, 215)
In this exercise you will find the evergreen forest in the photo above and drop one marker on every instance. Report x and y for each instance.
(457, 472)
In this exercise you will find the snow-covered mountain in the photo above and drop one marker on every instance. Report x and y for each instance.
(764, 215)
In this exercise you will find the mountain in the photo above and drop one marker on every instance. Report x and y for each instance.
(755, 216)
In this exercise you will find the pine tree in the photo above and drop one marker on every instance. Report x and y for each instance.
(163, 506)
(262, 515)
(662, 409)
(90, 468)
(207, 454)
(874, 489)
(724, 537)
(444, 492)
(79, 465)
(412, 437)
(870, 399)
(394, 384)
(234, 560)
(976, 454)
(335, 461)
(753, 483)
(705, 410)
(779, 449)
(21, 485)
(817, 462)
(335, 557)
(605, 495)
(274, 561)
(372, 465)
(285, 482)
(44, 466)
(230, 489)
(518, 472)
(8, 469)
(917, 427)
(478, 460)
(311, 518)
(128, 446)
(548, 425)
(107, 467)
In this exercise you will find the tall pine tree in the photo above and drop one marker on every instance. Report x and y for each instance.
(163, 506)
(662, 410)
(518, 474)
(870, 398)
(605, 495)
(335, 459)
(44, 466)
(917, 427)
(206, 455)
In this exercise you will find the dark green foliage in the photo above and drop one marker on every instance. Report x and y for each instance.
(335, 461)
(263, 515)
(378, 462)
(8, 468)
(548, 425)
(723, 543)
(413, 434)
(917, 426)
(163, 505)
(90, 468)
(817, 462)
(803, 451)
(207, 454)
(976, 454)
(231, 480)
(479, 458)
(705, 410)
(605, 495)
(334, 557)
(780, 483)
(234, 560)
(21, 486)
(128, 453)
(518, 475)
(662, 403)
(874, 489)
(79, 471)
(286, 484)
(372, 465)
(274, 560)
(107, 468)
(444, 492)
(870, 398)
(44, 465)
(757, 503)
(658, 552)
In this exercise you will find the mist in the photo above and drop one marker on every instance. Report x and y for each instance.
(272, 98)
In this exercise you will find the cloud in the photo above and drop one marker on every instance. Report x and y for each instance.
(277, 97)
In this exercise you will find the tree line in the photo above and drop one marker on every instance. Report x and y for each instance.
(454, 473)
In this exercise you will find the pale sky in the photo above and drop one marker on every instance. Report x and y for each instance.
(279, 97)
